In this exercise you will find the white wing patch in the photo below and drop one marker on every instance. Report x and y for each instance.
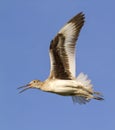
(69, 31)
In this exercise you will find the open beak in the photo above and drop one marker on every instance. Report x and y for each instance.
(25, 87)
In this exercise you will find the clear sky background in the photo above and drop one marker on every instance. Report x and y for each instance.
(26, 29)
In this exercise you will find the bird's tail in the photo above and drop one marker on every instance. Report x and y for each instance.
(80, 99)
(84, 81)
(84, 100)
(87, 91)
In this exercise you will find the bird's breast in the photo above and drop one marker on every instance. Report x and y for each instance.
(62, 87)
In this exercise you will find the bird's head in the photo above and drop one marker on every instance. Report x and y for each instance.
(32, 84)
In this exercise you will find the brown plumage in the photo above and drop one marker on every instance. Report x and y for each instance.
(62, 79)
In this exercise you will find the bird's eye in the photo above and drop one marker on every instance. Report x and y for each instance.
(34, 81)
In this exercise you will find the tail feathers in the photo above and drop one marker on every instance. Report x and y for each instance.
(83, 79)
(87, 92)
(80, 99)
(84, 100)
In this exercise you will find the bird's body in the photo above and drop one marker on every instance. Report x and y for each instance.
(65, 87)
(62, 79)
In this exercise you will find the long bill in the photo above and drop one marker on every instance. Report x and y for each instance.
(25, 87)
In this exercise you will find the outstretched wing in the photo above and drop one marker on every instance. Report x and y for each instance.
(62, 49)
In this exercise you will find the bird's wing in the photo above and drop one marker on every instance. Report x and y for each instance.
(62, 49)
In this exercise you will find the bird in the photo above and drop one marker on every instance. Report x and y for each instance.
(62, 79)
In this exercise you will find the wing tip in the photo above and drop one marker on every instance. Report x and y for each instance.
(80, 17)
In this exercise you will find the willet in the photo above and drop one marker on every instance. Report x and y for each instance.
(62, 79)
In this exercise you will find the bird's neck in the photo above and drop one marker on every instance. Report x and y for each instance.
(45, 86)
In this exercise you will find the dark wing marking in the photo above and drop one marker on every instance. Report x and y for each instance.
(62, 49)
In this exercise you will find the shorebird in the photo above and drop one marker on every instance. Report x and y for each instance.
(62, 79)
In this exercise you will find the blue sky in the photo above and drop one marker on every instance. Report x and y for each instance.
(26, 29)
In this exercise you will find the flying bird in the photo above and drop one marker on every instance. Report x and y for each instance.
(62, 79)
